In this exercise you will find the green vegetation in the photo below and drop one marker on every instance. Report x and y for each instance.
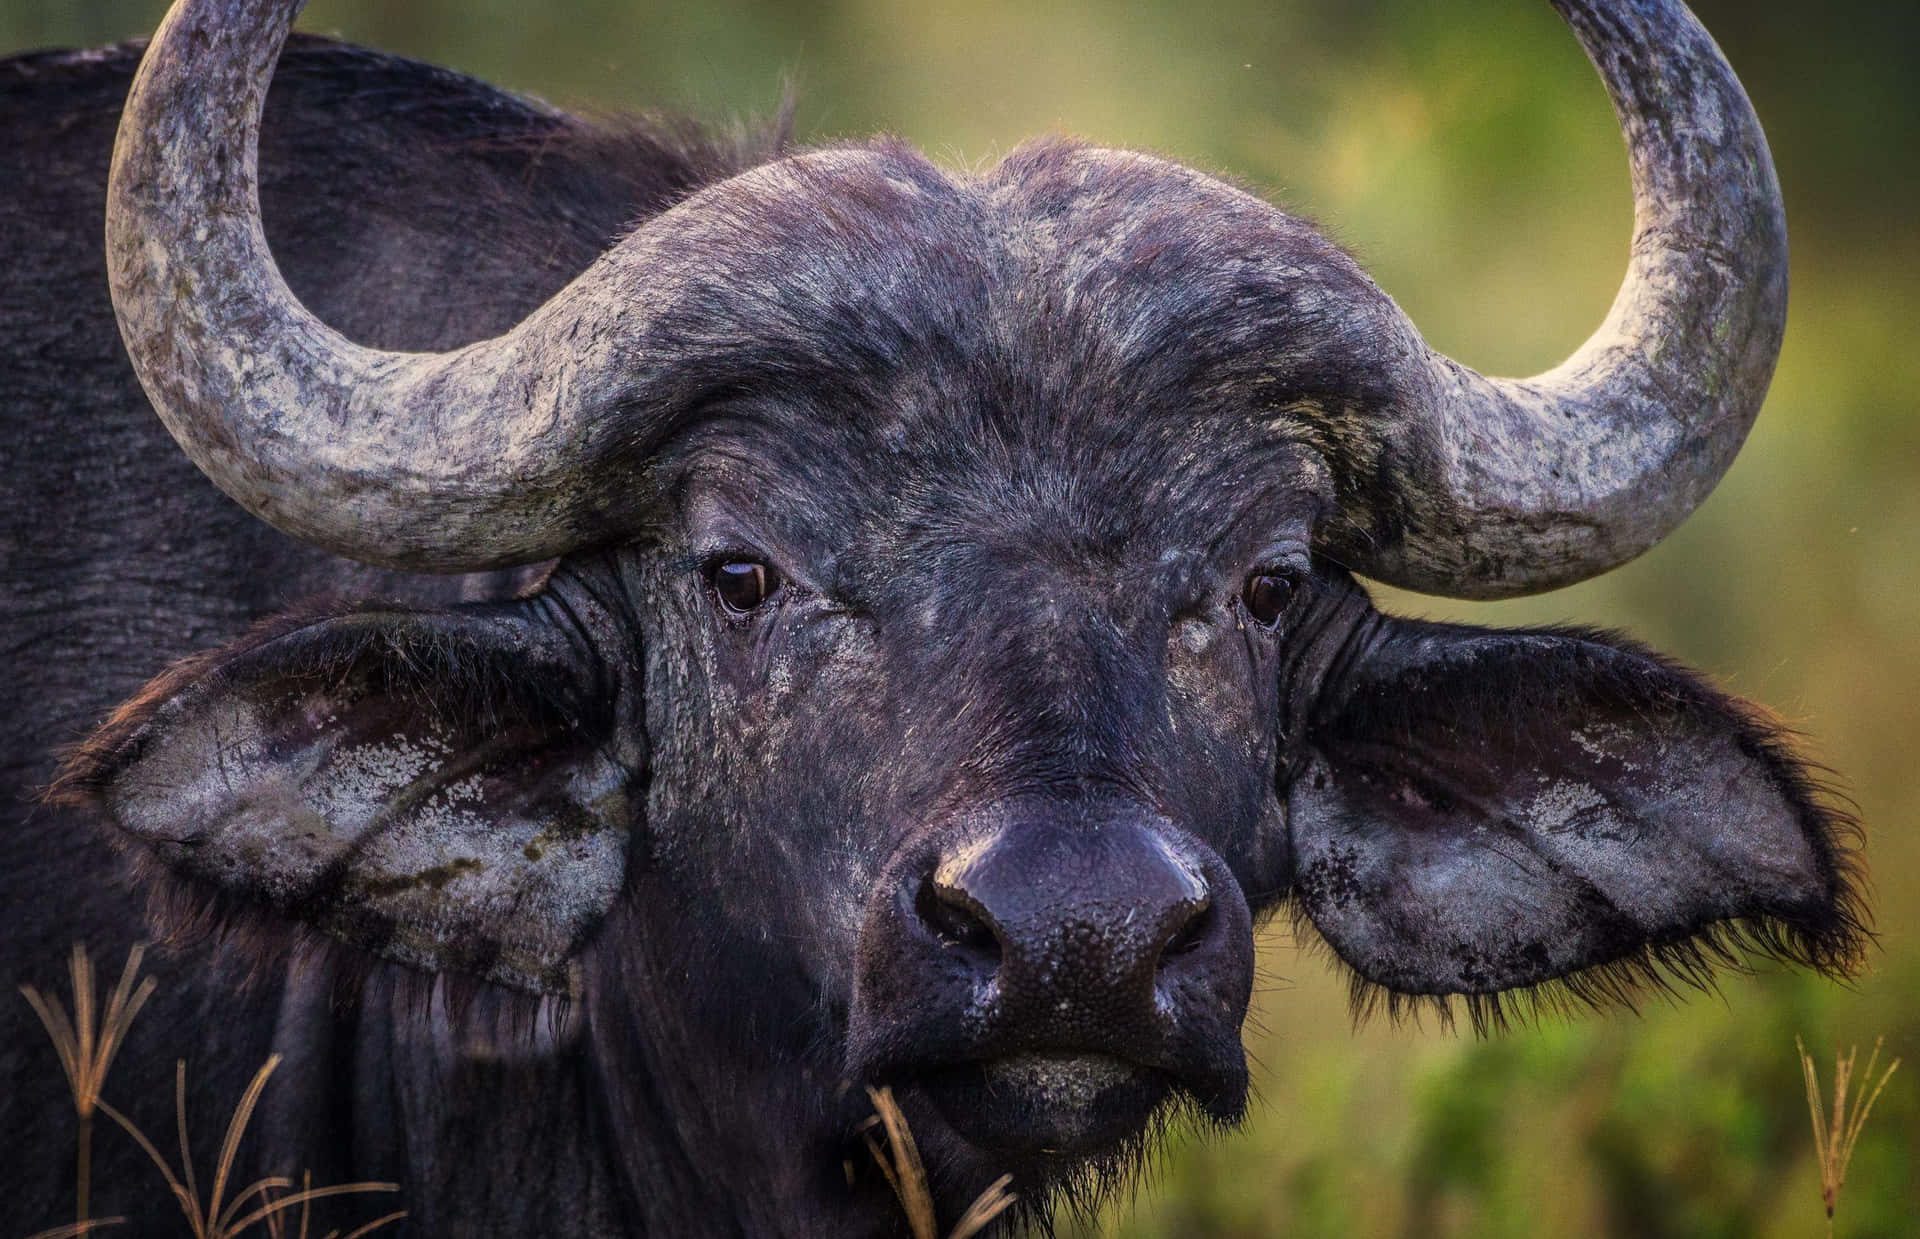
(1466, 152)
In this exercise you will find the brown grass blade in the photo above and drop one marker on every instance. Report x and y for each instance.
(73, 1230)
(906, 1175)
(987, 1206)
(1812, 1076)
(900, 1163)
(259, 1187)
(1834, 1141)
(230, 1147)
(192, 1189)
(53, 1017)
(130, 993)
(80, 976)
(301, 1197)
(1863, 1100)
(277, 1223)
(86, 1042)
(85, 1046)
(359, 1231)
(208, 1220)
(153, 1154)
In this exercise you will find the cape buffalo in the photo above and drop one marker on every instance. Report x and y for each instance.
(893, 626)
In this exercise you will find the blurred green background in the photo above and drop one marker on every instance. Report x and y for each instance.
(1466, 152)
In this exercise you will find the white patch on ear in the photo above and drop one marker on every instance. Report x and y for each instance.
(364, 778)
(1607, 742)
(1556, 807)
(453, 871)
(386, 842)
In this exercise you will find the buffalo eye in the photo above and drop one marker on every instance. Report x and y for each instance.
(1266, 595)
(742, 585)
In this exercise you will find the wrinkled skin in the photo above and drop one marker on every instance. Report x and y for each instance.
(1012, 519)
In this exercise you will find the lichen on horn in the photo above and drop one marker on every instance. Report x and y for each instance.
(449, 462)
(1502, 487)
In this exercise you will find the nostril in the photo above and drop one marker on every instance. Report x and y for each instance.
(956, 925)
(1189, 937)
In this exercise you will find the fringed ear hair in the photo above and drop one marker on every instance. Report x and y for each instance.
(1509, 822)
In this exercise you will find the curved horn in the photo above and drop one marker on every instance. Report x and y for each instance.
(429, 462)
(1512, 486)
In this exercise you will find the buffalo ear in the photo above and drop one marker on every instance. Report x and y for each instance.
(1477, 811)
(443, 789)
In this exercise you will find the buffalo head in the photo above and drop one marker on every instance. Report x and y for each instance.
(951, 648)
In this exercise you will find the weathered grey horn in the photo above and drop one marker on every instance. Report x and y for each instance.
(432, 462)
(1512, 486)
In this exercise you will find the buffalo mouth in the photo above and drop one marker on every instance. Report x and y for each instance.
(1050, 981)
(1047, 1102)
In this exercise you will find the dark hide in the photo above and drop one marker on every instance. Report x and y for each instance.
(412, 208)
(1001, 439)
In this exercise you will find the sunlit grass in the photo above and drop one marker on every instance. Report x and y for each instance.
(73, 1230)
(86, 1042)
(207, 1218)
(277, 1223)
(86, 1046)
(899, 1161)
(1834, 1141)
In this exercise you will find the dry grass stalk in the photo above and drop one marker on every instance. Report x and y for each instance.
(86, 1047)
(218, 1217)
(987, 1206)
(900, 1163)
(370, 1227)
(1833, 1141)
(277, 1222)
(73, 1230)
